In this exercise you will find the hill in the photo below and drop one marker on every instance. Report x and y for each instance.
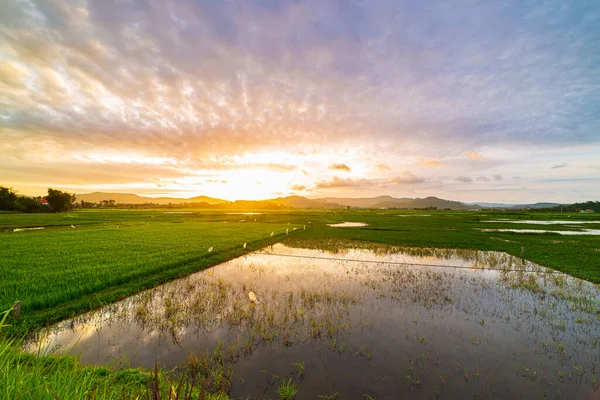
(129, 198)
(516, 206)
(303, 202)
(392, 202)
(287, 202)
(371, 202)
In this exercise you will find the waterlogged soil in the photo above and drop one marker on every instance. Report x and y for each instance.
(402, 326)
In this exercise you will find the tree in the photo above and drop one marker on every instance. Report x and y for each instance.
(31, 205)
(60, 201)
(8, 199)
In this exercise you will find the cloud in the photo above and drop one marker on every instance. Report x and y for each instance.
(298, 187)
(407, 178)
(200, 81)
(464, 179)
(337, 182)
(277, 167)
(340, 167)
(496, 177)
(429, 163)
(383, 167)
(130, 72)
(560, 166)
(475, 156)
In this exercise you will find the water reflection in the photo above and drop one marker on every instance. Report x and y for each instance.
(347, 224)
(580, 232)
(401, 324)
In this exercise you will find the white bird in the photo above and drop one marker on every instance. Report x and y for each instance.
(73, 226)
(252, 297)
(245, 245)
(272, 233)
(286, 231)
(304, 227)
(210, 249)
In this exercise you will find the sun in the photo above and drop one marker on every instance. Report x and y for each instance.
(246, 184)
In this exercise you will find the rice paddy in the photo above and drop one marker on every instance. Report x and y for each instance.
(281, 305)
(419, 323)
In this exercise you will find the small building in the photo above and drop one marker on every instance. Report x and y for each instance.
(43, 201)
(588, 211)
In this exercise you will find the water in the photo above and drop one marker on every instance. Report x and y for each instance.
(580, 232)
(347, 224)
(403, 326)
(539, 222)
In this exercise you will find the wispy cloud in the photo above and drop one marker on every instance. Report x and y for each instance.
(339, 167)
(407, 178)
(337, 182)
(429, 163)
(463, 179)
(557, 166)
(383, 167)
(475, 156)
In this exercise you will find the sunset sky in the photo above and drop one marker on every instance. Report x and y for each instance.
(470, 100)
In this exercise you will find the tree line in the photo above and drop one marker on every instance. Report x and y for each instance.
(55, 201)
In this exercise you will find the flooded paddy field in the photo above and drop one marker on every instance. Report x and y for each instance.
(381, 322)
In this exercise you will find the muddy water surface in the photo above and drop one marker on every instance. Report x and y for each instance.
(398, 324)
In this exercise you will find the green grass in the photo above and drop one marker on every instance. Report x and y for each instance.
(60, 271)
(287, 390)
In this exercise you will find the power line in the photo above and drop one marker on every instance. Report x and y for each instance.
(418, 265)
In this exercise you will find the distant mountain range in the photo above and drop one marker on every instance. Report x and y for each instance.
(290, 201)
(516, 206)
(372, 202)
(129, 198)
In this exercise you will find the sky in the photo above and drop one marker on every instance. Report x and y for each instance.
(469, 100)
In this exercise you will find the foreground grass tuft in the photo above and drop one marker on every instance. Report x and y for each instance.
(287, 390)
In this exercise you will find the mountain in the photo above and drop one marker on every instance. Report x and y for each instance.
(516, 206)
(287, 202)
(303, 202)
(372, 202)
(129, 198)
(392, 202)
(366, 202)
(483, 204)
(536, 205)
